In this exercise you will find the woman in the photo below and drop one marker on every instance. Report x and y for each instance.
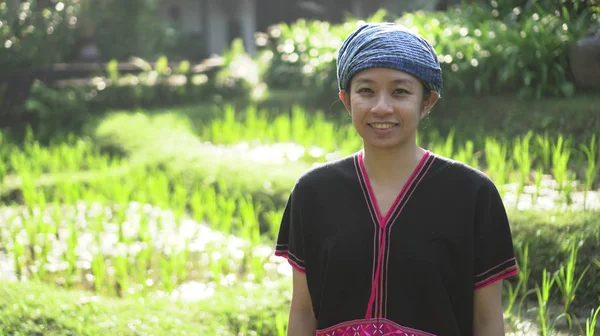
(394, 240)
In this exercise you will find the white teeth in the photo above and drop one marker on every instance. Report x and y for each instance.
(382, 125)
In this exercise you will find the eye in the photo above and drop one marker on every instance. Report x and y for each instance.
(401, 91)
(365, 90)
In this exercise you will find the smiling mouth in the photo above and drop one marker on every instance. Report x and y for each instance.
(382, 125)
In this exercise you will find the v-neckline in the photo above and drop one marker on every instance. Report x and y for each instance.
(383, 220)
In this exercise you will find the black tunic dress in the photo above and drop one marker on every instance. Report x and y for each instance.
(412, 271)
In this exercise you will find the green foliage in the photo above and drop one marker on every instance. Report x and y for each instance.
(122, 29)
(480, 51)
(31, 30)
(239, 77)
(550, 237)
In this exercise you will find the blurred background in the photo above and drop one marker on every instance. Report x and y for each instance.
(147, 149)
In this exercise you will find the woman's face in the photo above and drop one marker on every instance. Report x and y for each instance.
(386, 106)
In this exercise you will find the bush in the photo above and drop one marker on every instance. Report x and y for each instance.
(30, 32)
(124, 29)
(524, 52)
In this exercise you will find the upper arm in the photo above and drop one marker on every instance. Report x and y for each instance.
(301, 300)
(487, 310)
(302, 320)
(494, 258)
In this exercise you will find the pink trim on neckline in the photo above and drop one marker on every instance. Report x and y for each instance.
(383, 219)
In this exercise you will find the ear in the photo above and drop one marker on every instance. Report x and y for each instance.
(429, 102)
(345, 98)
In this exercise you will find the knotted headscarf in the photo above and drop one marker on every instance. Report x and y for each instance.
(388, 45)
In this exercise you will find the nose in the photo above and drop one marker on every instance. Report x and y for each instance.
(382, 105)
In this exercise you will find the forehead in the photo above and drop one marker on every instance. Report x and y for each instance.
(384, 75)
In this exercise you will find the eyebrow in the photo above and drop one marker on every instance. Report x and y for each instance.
(395, 81)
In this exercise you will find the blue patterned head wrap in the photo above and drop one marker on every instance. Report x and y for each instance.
(388, 45)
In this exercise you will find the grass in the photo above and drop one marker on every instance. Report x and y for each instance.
(47, 310)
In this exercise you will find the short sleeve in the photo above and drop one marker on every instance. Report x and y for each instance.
(290, 241)
(494, 251)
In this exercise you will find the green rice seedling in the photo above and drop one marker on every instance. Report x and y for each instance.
(273, 218)
(31, 228)
(218, 266)
(98, 268)
(18, 252)
(498, 163)
(282, 128)
(512, 293)
(211, 207)
(248, 212)
(324, 133)
(561, 153)
(197, 206)
(263, 126)
(28, 191)
(45, 245)
(255, 264)
(179, 200)
(592, 167)
(351, 142)
(179, 261)
(591, 322)
(565, 278)
(249, 123)
(158, 189)
(544, 150)
(448, 149)
(524, 160)
(543, 296)
(539, 174)
(299, 126)
(226, 131)
(523, 266)
(441, 146)
(466, 154)
(280, 323)
(166, 274)
(121, 274)
(225, 214)
(568, 189)
(71, 254)
(143, 264)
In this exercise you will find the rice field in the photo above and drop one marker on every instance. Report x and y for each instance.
(83, 218)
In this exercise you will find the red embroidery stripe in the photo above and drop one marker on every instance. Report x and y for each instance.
(286, 252)
(497, 277)
(294, 264)
(361, 180)
(495, 267)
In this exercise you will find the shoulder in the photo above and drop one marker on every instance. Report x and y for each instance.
(466, 176)
(327, 174)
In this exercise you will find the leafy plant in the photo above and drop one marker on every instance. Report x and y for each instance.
(565, 279)
(592, 167)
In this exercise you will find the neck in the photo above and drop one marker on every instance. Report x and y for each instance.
(391, 165)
